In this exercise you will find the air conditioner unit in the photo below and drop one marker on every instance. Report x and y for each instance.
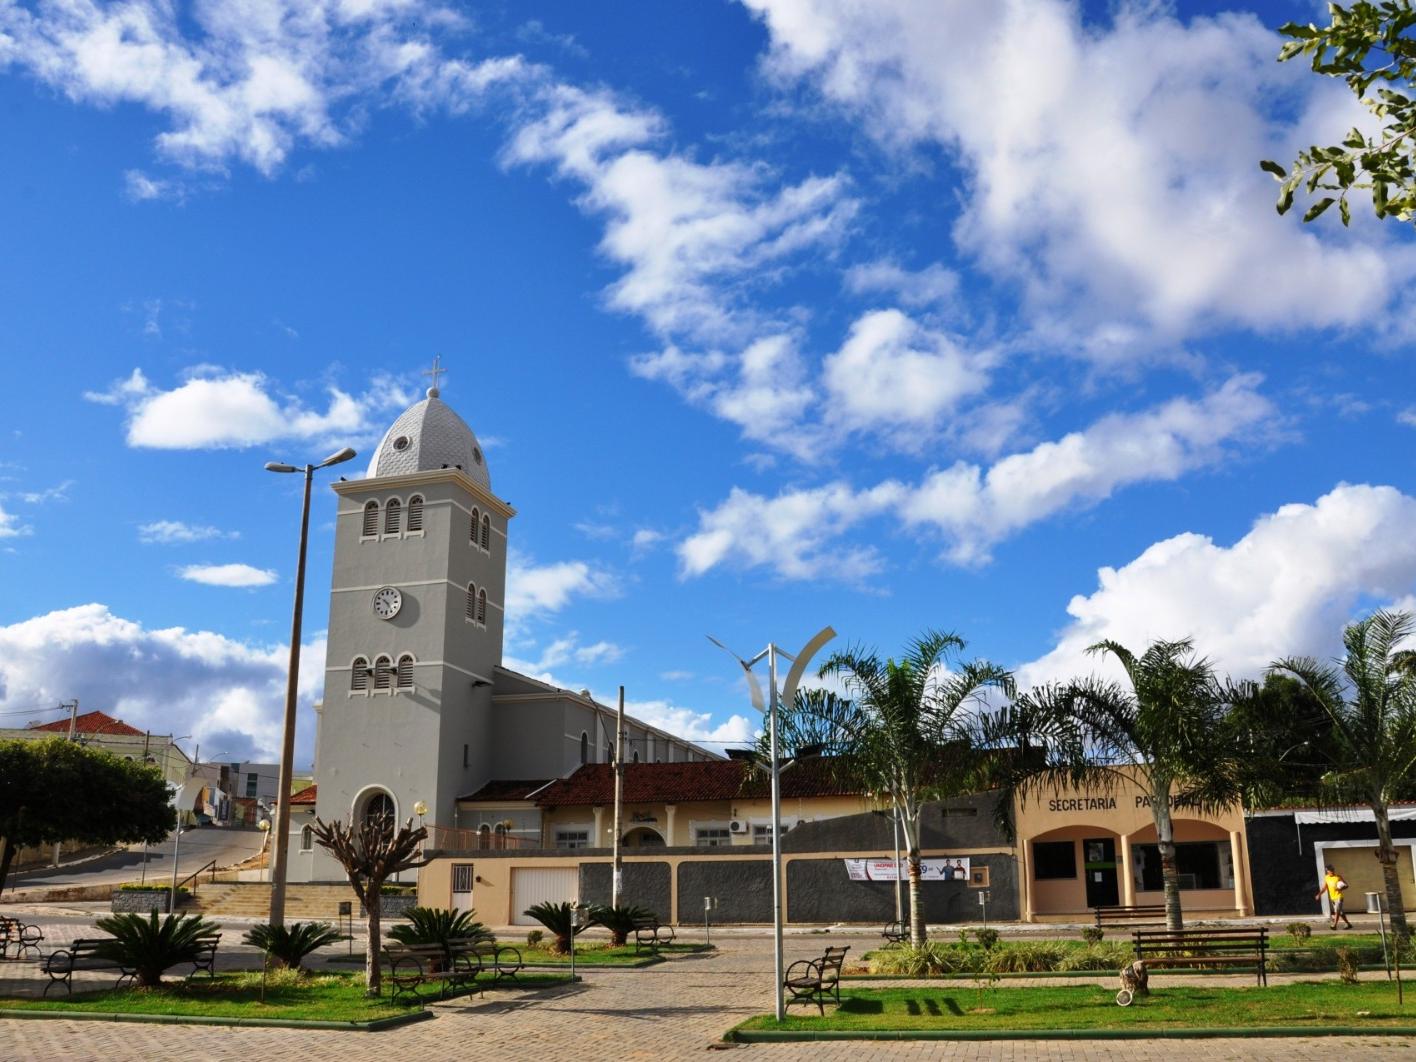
(737, 826)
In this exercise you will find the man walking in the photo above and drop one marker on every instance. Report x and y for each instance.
(1334, 886)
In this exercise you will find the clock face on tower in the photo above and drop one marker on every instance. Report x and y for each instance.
(387, 602)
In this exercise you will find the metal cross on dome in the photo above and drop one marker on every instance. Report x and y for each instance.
(436, 371)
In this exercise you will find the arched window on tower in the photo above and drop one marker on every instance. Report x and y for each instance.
(307, 839)
(476, 526)
(405, 671)
(415, 513)
(383, 674)
(371, 520)
(472, 602)
(393, 512)
(487, 533)
(482, 607)
(584, 748)
(379, 809)
(634, 756)
(359, 675)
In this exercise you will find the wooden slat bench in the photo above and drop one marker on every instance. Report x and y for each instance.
(412, 965)
(814, 980)
(1244, 946)
(19, 935)
(896, 932)
(499, 960)
(1129, 914)
(649, 932)
(60, 965)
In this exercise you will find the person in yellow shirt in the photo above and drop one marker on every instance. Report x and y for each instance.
(1334, 886)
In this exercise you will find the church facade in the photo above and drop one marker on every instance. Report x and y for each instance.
(418, 711)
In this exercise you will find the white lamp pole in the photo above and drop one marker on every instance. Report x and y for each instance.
(788, 694)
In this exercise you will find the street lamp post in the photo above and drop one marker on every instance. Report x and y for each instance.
(769, 708)
(287, 746)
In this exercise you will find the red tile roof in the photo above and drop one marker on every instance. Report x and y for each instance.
(305, 796)
(91, 723)
(507, 789)
(650, 783)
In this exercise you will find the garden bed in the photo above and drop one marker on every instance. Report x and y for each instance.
(1307, 1007)
(604, 955)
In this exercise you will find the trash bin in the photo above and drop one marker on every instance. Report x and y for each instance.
(1374, 905)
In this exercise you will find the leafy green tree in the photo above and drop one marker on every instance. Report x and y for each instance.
(620, 921)
(56, 790)
(1370, 697)
(907, 735)
(149, 946)
(1281, 740)
(1163, 730)
(292, 944)
(438, 925)
(1365, 44)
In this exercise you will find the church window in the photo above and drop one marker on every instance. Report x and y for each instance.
(401, 443)
(405, 672)
(359, 675)
(307, 839)
(415, 513)
(379, 809)
(466, 750)
(584, 748)
(371, 519)
(634, 756)
(383, 674)
(486, 532)
(472, 602)
(482, 607)
(476, 525)
(393, 514)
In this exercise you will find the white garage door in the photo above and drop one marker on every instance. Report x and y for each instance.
(530, 886)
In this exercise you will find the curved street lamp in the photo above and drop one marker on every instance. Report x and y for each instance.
(287, 745)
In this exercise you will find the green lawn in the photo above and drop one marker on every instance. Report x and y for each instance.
(963, 1007)
(322, 997)
(597, 954)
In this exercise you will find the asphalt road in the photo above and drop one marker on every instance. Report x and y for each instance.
(198, 846)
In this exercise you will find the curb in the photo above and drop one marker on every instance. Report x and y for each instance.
(778, 1036)
(377, 1025)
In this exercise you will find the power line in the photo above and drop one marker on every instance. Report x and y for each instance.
(32, 709)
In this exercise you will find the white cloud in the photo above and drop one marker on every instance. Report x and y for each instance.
(1285, 588)
(169, 532)
(1110, 169)
(537, 588)
(646, 538)
(931, 287)
(1407, 416)
(58, 492)
(216, 409)
(227, 694)
(11, 527)
(236, 575)
(797, 533)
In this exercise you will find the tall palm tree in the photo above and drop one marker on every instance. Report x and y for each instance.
(1163, 730)
(907, 733)
(1370, 695)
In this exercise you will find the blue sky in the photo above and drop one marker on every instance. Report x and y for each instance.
(769, 315)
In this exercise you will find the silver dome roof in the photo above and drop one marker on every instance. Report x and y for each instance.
(428, 436)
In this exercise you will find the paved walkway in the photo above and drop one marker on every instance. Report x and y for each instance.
(677, 1010)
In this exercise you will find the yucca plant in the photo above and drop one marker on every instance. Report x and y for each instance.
(438, 925)
(559, 920)
(291, 944)
(148, 946)
(618, 920)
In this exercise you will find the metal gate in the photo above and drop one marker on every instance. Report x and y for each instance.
(533, 885)
(462, 879)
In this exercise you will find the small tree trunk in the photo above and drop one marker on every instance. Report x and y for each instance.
(916, 920)
(373, 903)
(1165, 841)
(7, 856)
(1386, 852)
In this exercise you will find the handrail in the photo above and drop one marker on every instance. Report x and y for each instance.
(209, 866)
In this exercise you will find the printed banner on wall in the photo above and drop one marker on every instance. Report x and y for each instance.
(946, 869)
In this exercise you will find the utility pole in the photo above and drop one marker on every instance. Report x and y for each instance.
(73, 733)
(617, 875)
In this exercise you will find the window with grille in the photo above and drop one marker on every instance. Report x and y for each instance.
(486, 532)
(393, 512)
(711, 837)
(762, 832)
(476, 526)
(359, 675)
(462, 877)
(405, 672)
(482, 606)
(472, 601)
(383, 673)
(415, 513)
(572, 838)
(371, 520)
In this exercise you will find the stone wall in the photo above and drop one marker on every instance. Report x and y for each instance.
(645, 885)
(1282, 862)
(141, 900)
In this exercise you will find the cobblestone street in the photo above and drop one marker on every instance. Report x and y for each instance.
(676, 1010)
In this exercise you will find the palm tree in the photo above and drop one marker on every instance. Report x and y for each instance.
(1163, 731)
(1370, 696)
(906, 735)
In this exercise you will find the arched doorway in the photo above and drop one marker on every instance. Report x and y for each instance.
(377, 807)
(642, 837)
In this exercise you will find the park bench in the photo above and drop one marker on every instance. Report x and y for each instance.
(1129, 914)
(649, 932)
(20, 936)
(500, 960)
(412, 965)
(1244, 946)
(896, 932)
(813, 980)
(82, 955)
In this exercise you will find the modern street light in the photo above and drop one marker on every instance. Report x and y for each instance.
(287, 746)
(788, 694)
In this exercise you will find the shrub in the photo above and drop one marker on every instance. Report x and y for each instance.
(148, 946)
(293, 943)
(987, 938)
(438, 925)
(618, 920)
(930, 959)
(395, 889)
(558, 918)
(1104, 955)
(534, 937)
(1093, 934)
(1299, 931)
(135, 886)
(1028, 956)
(1346, 966)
